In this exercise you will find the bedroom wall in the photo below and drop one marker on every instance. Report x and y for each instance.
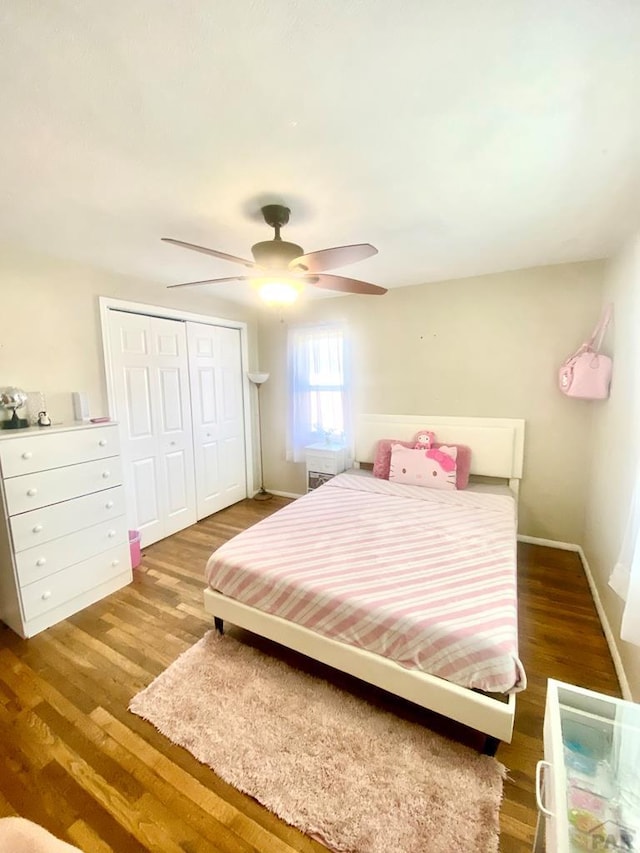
(616, 439)
(51, 339)
(485, 346)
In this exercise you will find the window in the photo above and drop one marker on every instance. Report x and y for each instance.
(319, 402)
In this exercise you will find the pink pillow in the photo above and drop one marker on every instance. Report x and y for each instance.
(382, 461)
(433, 469)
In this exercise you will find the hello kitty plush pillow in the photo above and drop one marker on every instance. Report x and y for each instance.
(433, 469)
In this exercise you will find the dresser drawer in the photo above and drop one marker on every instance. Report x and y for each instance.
(51, 522)
(49, 487)
(45, 560)
(40, 452)
(63, 586)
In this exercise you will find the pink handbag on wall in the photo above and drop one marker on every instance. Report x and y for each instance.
(587, 373)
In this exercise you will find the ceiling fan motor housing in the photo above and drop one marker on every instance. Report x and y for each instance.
(275, 254)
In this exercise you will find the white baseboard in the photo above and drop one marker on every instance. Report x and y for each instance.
(280, 494)
(606, 627)
(548, 543)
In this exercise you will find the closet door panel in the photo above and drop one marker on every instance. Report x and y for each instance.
(171, 403)
(151, 379)
(232, 416)
(210, 476)
(179, 478)
(174, 431)
(218, 424)
(232, 448)
(144, 489)
(206, 414)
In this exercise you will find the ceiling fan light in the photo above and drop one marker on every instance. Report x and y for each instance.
(278, 293)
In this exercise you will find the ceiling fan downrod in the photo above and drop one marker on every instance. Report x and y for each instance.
(276, 216)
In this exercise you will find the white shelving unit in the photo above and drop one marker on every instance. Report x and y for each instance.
(324, 461)
(588, 786)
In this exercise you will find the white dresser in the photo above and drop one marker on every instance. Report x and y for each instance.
(63, 534)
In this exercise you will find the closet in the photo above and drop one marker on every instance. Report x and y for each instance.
(176, 389)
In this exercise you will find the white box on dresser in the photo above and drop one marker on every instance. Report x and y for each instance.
(63, 532)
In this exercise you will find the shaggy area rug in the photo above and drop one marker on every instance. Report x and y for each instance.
(353, 776)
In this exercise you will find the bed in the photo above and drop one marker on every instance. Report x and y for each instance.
(410, 589)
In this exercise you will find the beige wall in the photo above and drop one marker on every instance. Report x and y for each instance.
(51, 340)
(486, 346)
(616, 446)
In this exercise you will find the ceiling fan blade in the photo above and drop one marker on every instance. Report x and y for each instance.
(346, 285)
(213, 281)
(328, 259)
(206, 251)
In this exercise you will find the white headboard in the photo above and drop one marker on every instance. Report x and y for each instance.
(497, 444)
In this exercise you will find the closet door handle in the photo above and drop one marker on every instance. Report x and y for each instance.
(545, 811)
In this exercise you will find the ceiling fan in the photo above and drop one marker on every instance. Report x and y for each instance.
(278, 265)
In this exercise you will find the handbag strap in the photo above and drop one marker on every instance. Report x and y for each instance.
(595, 341)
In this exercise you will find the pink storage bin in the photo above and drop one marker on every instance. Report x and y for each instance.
(134, 547)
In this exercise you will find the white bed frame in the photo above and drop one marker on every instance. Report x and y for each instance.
(497, 451)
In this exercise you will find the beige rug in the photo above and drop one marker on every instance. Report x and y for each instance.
(354, 777)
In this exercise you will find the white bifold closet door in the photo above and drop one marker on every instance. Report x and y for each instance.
(151, 386)
(215, 370)
(178, 395)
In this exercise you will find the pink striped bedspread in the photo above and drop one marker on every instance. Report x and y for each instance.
(422, 576)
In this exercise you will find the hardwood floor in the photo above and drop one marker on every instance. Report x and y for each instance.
(73, 759)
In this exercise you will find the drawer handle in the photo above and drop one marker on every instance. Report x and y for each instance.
(27, 454)
(115, 562)
(111, 534)
(108, 505)
(46, 595)
(545, 811)
(103, 442)
(41, 561)
(106, 475)
(172, 443)
(37, 528)
(32, 492)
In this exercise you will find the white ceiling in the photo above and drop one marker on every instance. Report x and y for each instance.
(459, 137)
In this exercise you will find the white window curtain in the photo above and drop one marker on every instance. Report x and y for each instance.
(319, 389)
(625, 578)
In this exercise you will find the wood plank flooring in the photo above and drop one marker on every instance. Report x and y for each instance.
(73, 759)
